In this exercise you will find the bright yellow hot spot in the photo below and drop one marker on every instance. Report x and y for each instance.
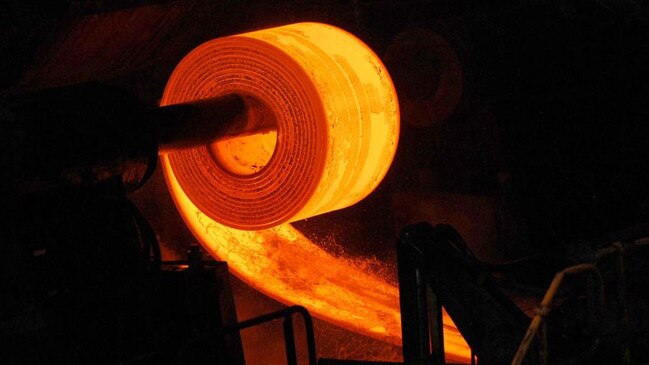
(360, 110)
(336, 115)
(245, 155)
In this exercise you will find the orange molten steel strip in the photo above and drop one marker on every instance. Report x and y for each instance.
(283, 264)
(337, 125)
(332, 135)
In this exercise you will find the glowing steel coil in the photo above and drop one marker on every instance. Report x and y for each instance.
(323, 130)
(333, 108)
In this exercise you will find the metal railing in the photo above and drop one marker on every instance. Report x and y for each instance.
(289, 334)
(544, 309)
(538, 322)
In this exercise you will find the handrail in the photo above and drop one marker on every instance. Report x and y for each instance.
(544, 309)
(289, 336)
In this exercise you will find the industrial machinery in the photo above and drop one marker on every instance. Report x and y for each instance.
(517, 185)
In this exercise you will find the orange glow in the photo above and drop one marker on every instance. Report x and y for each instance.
(337, 127)
(245, 155)
(334, 108)
(283, 264)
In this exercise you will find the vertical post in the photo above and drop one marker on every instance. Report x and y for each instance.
(289, 341)
(436, 327)
(624, 311)
(418, 320)
(310, 338)
(543, 344)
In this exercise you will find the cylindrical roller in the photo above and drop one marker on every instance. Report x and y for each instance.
(331, 124)
(183, 126)
(323, 124)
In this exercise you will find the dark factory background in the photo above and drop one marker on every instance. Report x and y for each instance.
(524, 125)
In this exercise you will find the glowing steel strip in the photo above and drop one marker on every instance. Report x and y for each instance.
(337, 129)
(283, 264)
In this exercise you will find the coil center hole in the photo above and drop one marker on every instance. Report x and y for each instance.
(248, 149)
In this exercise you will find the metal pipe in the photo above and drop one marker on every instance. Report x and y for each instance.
(623, 308)
(289, 341)
(619, 247)
(545, 307)
(198, 123)
(436, 327)
(413, 303)
(284, 313)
